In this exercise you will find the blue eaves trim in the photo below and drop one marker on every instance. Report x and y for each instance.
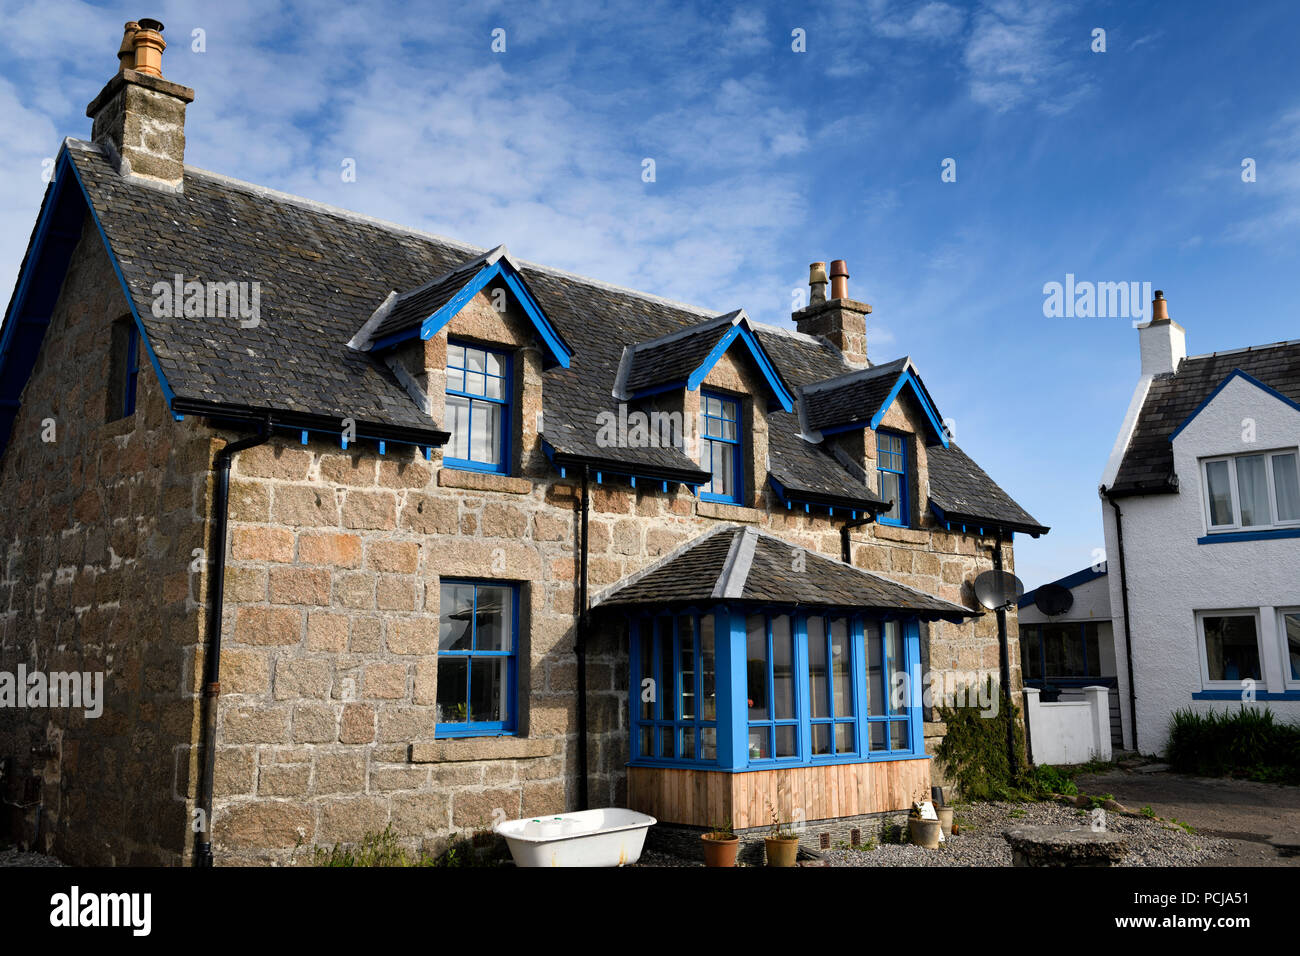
(791, 501)
(558, 350)
(931, 413)
(742, 331)
(1249, 536)
(58, 229)
(1070, 581)
(1236, 695)
(1235, 373)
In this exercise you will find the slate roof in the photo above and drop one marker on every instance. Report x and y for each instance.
(747, 566)
(324, 272)
(967, 495)
(673, 357)
(851, 398)
(411, 308)
(1148, 463)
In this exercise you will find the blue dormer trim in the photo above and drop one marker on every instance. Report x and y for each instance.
(791, 501)
(1235, 373)
(557, 349)
(931, 413)
(741, 330)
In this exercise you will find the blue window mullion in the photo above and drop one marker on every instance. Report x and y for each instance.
(803, 687)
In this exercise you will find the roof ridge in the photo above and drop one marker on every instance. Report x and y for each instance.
(735, 571)
(846, 378)
(343, 213)
(1245, 349)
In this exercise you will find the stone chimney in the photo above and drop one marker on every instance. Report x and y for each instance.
(841, 320)
(1162, 341)
(139, 116)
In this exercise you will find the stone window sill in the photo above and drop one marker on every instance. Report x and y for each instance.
(480, 748)
(482, 481)
(719, 509)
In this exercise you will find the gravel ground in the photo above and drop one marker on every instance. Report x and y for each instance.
(12, 857)
(980, 842)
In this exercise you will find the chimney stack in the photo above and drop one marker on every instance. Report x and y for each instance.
(139, 116)
(841, 321)
(1162, 341)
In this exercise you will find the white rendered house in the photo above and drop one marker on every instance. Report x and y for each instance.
(1201, 508)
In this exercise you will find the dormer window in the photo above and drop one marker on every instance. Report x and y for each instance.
(477, 408)
(1248, 492)
(891, 467)
(721, 443)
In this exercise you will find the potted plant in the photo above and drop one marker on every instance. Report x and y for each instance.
(781, 842)
(922, 832)
(720, 845)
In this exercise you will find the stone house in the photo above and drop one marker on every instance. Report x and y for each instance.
(366, 527)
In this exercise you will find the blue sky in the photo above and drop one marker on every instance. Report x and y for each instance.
(1115, 166)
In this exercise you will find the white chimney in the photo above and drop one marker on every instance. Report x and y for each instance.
(1162, 340)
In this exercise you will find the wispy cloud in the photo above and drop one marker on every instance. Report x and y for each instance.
(1015, 56)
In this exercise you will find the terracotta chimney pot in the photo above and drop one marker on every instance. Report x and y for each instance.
(149, 46)
(839, 279)
(817, 283)
(126, 52)
(1160, 308)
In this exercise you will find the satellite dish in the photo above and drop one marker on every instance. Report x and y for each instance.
(995, 589)
(1052, 599)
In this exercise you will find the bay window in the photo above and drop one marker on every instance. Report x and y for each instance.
(1252, 492)
(675, 715)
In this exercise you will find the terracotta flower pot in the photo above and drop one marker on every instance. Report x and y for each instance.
(781, 851)
(924, 832)
(720, 850)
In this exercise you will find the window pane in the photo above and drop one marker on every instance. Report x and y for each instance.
(664, 626)
(647, 674)
(455, 415)
(1252, 487)
(646, 744)
(666, 741)
(898, 730)
(708, 674)
(455, 380)
(453, 690)
(496, 387)
(756, 665)
(1231, 649)
(455, 618)
(1029, 648)
(844, 739)
(818, 679)
(1056, 641)
(686, 684)
(1093, 668)
(495, 620)
(759, 747)
(897, 665)
(475, 383)
(785, 741)
(843, 684)
(1287, 483)
(782, 669)
(1291, 630)
(877, 735)
(485, 435)
(708, 743)
(688, 743)
(455, 355)
(875, 672)
(724, 469)
(475, 359)
(1220, 491)
(495, 365)
(821, 739)
(889, 492)
(489, 678)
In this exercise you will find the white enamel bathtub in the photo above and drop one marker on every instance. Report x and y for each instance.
(606, 837)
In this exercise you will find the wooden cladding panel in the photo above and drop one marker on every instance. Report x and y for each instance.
(705, 797)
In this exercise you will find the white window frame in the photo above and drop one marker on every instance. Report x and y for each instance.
(1290, 682)
(1235, 503)
(1250, 612)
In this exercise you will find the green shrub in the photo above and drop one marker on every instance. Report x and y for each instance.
(1246, 742)
(974, 752)
(375, 849)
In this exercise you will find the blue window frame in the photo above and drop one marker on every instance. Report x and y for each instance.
(721, 448)
(891, 465)
(774, 688)
(124, 369)
(477, 408)
(478, 646)
(675, 713)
